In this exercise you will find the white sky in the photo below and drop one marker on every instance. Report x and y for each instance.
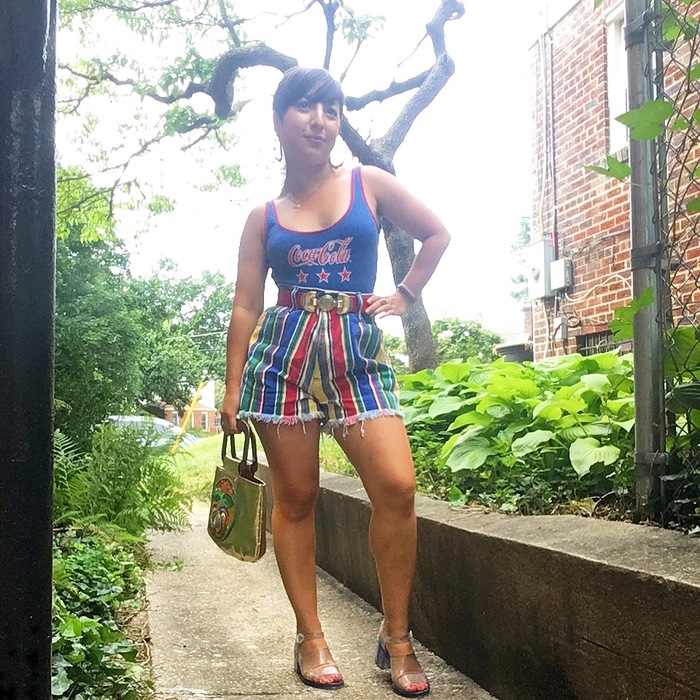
(467, 156)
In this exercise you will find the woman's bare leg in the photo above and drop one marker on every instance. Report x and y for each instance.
(292, 453)
(379, 450)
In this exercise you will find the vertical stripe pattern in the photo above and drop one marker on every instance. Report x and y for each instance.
(322, 365)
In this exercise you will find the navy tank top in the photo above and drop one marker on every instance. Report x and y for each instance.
(342, 258)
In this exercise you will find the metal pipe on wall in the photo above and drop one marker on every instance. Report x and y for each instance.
(646, 270)
(27, 262)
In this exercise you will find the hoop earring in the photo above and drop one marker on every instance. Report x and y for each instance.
(278, 156)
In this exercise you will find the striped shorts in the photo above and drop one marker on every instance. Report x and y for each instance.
(317, 365)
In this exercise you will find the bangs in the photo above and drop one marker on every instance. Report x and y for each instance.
(315, 84)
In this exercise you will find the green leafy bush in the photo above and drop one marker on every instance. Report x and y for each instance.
(123, 481)
(523, 437)
(95, 581)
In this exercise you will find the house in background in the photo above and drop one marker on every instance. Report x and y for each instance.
(579, 262)
(204, 415)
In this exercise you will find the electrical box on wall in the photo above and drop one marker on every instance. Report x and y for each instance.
(561, 274)
(540, 255)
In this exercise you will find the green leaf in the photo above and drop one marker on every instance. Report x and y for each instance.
(583, 431)
(413, 414)
(683, 397)
(470, 418)
(60, 683)
(683, 353)
(679, 124)
(616, 405)
(454, 495)
(470, 454)
(453, 372)
(648, 121)
(585, 452)
(693, 205)
(598, 383)
(626, 425)
(616, 169)
(622, 325)
(552, 409)
(605, 360)
(530, 442)
(444, 405)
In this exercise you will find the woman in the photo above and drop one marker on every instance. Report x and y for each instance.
(315, 361)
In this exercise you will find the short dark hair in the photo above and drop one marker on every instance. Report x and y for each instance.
(315, 83)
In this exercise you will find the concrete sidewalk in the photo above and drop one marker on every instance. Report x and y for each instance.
(224, 629)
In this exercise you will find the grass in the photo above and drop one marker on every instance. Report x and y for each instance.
(195, 464)
(333, 458)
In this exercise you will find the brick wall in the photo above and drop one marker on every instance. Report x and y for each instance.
(586, 214)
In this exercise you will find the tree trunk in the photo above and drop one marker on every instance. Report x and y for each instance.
(416, 324)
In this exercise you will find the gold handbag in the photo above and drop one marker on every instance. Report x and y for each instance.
(237, 513)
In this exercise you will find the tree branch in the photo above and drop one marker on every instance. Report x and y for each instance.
(191, 89)
(124, 8)
(361, 149)
(344, 74)
(221, 85)
(437, 77)
(355, 103)
(329, 9)
(228, 24)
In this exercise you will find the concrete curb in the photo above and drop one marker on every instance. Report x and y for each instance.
(537, 607)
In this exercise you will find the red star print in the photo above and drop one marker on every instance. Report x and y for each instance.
(323, 276)
(345, 275)
(301, 276)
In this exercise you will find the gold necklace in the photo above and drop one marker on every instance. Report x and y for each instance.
(297, 203)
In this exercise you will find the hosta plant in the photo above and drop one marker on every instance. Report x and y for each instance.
(521, 436)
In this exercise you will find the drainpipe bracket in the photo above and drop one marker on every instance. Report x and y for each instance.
(645, 256)
(635, 30)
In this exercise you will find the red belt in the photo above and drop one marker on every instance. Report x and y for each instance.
(325, 301)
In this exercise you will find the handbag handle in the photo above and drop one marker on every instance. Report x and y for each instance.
(245, 468)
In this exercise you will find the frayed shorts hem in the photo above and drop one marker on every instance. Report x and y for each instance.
(326, 424)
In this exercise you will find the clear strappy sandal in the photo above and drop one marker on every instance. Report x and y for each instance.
(314, 664)
(396, 653)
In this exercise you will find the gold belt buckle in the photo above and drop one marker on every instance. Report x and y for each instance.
(326, 302)
(309, 301)
(342, 303)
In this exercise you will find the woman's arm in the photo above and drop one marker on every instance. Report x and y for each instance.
(407, 212)
(247, 307)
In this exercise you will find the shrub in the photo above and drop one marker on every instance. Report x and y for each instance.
(95, 580)
(123, 481)
(523, 437)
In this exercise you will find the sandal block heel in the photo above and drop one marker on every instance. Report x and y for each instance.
(381, 656)
(402, 662)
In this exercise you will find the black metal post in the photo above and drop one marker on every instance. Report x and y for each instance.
(27, 262)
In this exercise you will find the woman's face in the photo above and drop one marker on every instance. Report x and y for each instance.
(309, 128)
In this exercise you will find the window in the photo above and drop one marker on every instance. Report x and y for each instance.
(204, 421)
(617, 79)
(594, 343)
